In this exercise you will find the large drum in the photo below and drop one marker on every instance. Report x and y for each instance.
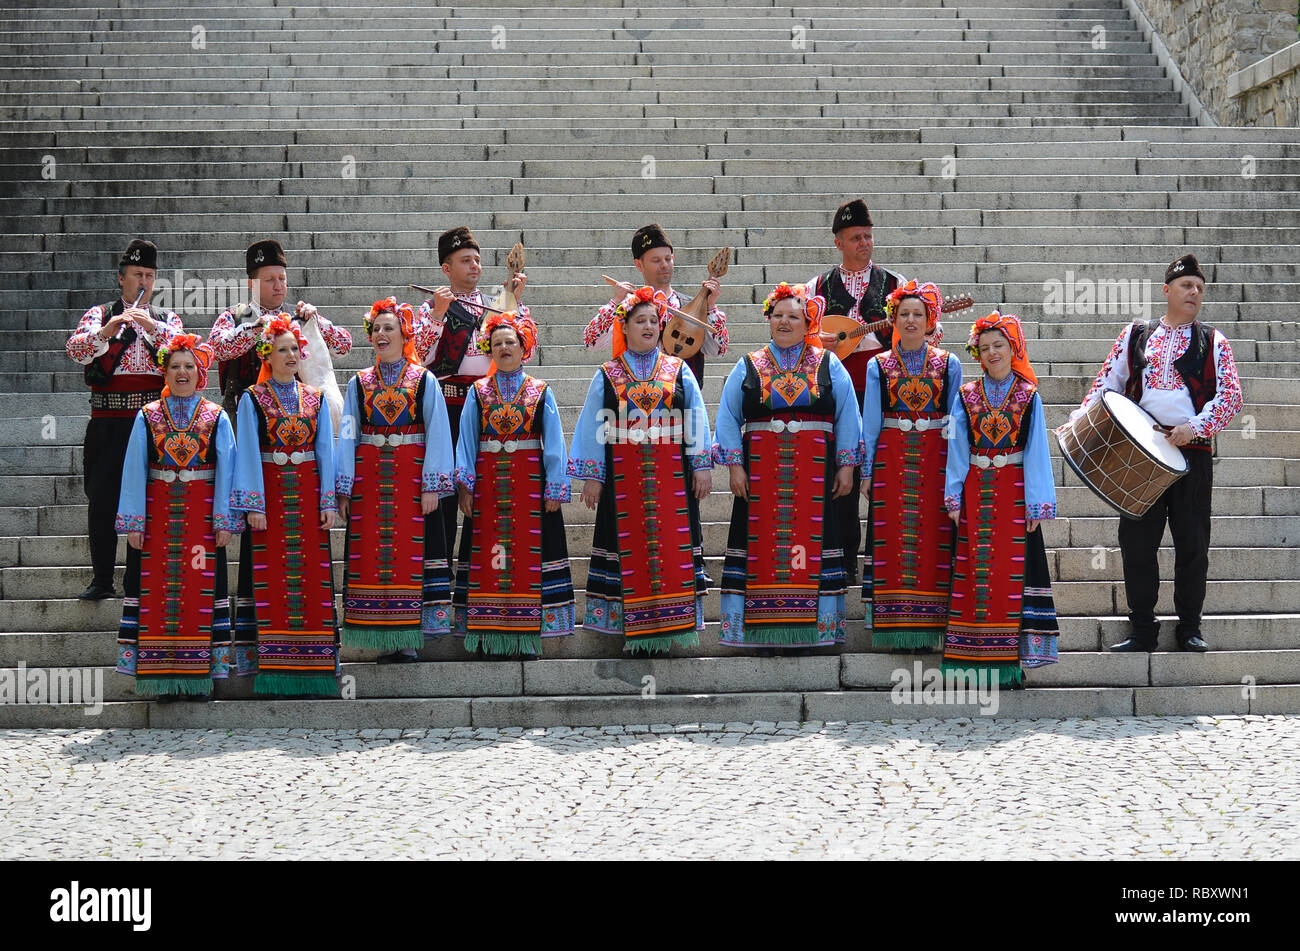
(1116, 450)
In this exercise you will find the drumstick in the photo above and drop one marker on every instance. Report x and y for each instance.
(429, 290)
(671, 309)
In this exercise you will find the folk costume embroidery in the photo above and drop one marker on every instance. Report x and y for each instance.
(907, 576)
(175, 632)
(285, 470)
(789, 416)
(397, 589)
(513, 581)
(643, 431)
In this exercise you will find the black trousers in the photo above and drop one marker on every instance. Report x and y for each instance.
(449, 509)
(103, 452)
(1185, 505)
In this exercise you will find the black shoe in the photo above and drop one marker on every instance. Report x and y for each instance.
(765, 651)
(167, 697)
(1131, 646)
(197, 697)
(1194, 643)
(798, 652)
(527, 657)
(97, 592)
(396, 657)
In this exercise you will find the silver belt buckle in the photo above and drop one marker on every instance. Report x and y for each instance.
(636, 435)
(510, 445)
(905, 425)
(492, 445)
(186, 475)
(279, 458)
(981, 462)
(999, 461)
(393, 439)
(654, 432)
(922, 425)
(168, 475)
(778, 425)
(297, 457)
(793, 426)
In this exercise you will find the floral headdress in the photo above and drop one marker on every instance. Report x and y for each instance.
(814, 307)
(203, 356)
(525, 329)
(642, 295)
(1009, 326)
(281, 323)
(405, 319)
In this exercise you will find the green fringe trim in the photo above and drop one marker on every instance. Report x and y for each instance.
(1008, 674)
(504, 644)
(782, 635)
(382, 638)
(650, 645)
(154, 686)
(904, 639)
(288, 684)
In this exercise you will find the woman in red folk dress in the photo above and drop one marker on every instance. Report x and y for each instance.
(513, 583)
(998, 490)
(175, 511)
(905, 415)
(284, 484)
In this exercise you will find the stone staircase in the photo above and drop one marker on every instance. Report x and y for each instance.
(1006, 148)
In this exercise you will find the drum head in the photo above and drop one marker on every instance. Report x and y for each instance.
(1138, 424)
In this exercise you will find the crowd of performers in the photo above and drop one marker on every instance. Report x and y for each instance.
(956, 476)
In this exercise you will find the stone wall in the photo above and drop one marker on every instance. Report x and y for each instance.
(1210, 42)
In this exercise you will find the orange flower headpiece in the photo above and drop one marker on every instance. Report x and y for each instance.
(1009, 326)
(927, 293)
(642, 295)
(405, 320)
(525, 329)
(203, 356)
(813, 308)
(281, 323)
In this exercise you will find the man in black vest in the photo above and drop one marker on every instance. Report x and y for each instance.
(117, 343)
(857, 288)
(447, 334)
(1182, 373)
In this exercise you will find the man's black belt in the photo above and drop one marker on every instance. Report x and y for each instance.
(123, 401)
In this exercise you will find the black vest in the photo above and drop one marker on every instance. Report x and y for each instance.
(457, 331)
(871, 306)
(1195, 366)
(99, 371)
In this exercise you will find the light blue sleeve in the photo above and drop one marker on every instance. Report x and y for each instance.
(699, 442)
(555, 455)
(1040, 487)
(325, 457)
(954, 383)
(248, 494)
(873, 418)
(728, 443)
(439, 454)
(345, 456)
(222, 518)
(958, 457)
(467, 441)
(131, 506)
(848, 419)
(587, 455)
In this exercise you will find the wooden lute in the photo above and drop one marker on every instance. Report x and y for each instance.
(683, 337)
(848, 331)
(506, 301)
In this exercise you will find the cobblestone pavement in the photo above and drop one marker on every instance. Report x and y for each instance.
(1178, 787)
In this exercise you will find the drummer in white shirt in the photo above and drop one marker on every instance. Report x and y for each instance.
(1181, 372)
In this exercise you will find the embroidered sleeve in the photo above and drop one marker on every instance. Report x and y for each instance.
(228, 523)
(229, 339)
(1113, 374)
(600, 324)
(587, 469)
(728, 457)
(1219, 412)
(128, 523)
(329, 500)
(428, 331)
(440, 482)
(718, 327)
(465, 475)
(336, 338)
(701, 460)
(952, 503)
(243, 500)
(343, 486)
(559, 492)
(1040, 511)
(847, 457)
(85, 343)
(166, 328)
